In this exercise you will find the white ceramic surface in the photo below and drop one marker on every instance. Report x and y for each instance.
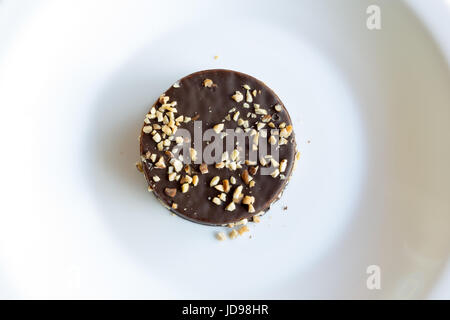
(372, 187)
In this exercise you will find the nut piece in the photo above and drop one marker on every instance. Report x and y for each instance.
(147, 129)
(283, 165)
(203, 168)
(177, 164)
(248, 200)
(208, 83)
(226, 185)
(243, 229)
(157, 137)
(233, 180)
(220, 236)
(230, 207)
(245, 176)
(237, 192)
(277, 107)
(251, 209)
(156, 178)
(193, 154)
(160, 164)
(214, 181)
(171, 192)
(185, 187)
(238, 96)
(233, 234)
(139, 166)
(218, 127)
(216, 201)
(195, 180)
(256, 219)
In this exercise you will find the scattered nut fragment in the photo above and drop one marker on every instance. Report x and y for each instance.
(231, 206)
(277, 107)
(256, 219)
(157, 137)
(248, 200)
(237, 192)
(246, 86)
(203, 168)
(177, 164)
(245, 176)
(275, 173)
(172, 176)
(160, 164)
(149, 189)
(254, 92)
(283, 165)
(219, 187)
(218, 127)
(176, 85)
(193, 154)
(238, 96)
(223, 197)
(273, 140)
(226, 185)
(156, 178)
(236, 116)
(195, 180)
(139, 166)
(186, 179)
(147, 129)
(243, 229)
(185, 187)
(214, 181)
(217, 201)
(171, 192)
(248, 97)
(233, 234)
(252, 184)
(208, 83)
(233, 180)
(220, 236)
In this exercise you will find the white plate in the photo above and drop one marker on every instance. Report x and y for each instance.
(371, 188)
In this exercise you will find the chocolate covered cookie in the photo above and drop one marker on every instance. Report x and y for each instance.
(218, 147)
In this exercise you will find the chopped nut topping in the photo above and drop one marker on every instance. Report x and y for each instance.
(149, 189)
(273, 140)
(176, 85)
(193, 154)
(253, 170)
(231, 206)
(274, 162)
(208, 83)
(171, 192)
(203, 168)
(237, 192)
(238, 97)
(157, 137)
(195, 180)
(226, 185)
(153, 157)
(220, 236)
(248, 97)
(174, 205)
(277, 107)
(252, 184)
(186, 179)
(233, 180)
(246, 87)
(233, 234)
(139, 166)
(275, 173)
(217, 201)
(172, 176)
(177, 164)
(185, 187)
(160, 164)
(254, 93)
(219, 187)
(218, 127)
(283, 165)
(214, 181)
(223, 197)
(248, 200)
(236, 116)
(261, 111)
(147, 129)
(256, 219)
(156, 178)
(235, 155)
(245, 176)
(243, 229)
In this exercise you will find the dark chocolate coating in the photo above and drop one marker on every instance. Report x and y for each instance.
(195, 99)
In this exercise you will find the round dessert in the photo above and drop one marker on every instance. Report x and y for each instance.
(218, 147)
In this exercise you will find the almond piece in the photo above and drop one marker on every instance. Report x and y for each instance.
(171, 192)
(203, 168)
